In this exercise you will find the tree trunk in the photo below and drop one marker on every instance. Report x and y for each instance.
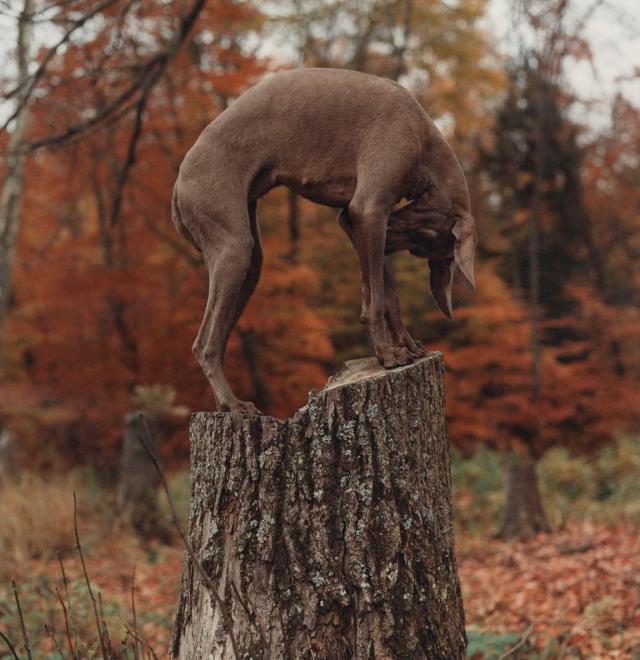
(11, 193)
(261, 395)
(329, 534)
(524, 516)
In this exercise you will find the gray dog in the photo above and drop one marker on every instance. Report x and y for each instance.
(339, 138)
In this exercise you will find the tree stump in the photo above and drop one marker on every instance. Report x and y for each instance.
(329, 534)
(525, 515)
(139, 482)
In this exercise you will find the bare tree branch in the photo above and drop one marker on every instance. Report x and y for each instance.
(33, 79)
(147, 77)
(103, 647)
(123, 173)
(25, 637)
(9, 645)
(11, 192)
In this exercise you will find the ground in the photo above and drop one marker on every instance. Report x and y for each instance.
(576, 592)
(573, 594)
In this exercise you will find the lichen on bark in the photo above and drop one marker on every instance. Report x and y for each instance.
(329, 534)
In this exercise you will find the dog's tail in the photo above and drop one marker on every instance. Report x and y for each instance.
(176, 215)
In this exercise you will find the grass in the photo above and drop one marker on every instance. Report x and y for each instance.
(35, 514)
(38, 532)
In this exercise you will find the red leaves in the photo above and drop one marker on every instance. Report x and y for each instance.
(589, 372)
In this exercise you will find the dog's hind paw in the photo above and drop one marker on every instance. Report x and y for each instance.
(245, 407)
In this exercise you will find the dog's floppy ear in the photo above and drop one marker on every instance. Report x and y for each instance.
(464, 231)
(441, 279)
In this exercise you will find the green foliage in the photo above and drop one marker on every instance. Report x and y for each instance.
(489, 645)
(603, 486)
(478, 492)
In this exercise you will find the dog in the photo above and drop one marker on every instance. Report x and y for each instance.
(343, 139)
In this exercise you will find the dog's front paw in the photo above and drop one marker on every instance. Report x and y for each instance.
(414, 347)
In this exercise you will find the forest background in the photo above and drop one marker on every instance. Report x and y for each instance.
(100, 299)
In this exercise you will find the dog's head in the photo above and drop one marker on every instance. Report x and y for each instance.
(441, 232)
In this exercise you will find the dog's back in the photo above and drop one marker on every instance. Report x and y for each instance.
(309, 129)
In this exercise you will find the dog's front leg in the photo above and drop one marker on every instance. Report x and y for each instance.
(369, 225)
(399, 333)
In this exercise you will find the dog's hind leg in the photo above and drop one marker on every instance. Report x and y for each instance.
(234, 261)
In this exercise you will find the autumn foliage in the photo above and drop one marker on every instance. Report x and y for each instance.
(107, 296)
(543, 361)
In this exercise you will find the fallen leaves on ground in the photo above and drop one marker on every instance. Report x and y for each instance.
(579, 588)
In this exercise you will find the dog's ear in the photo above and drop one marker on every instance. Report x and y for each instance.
(441, 279)
(464, 231)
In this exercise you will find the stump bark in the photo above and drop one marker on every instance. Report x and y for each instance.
(329, 534)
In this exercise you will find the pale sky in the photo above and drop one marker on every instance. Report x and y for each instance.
(613, 32)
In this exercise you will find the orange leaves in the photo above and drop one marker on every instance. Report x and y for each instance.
(578, 588)
(102, 305)
(589, 389)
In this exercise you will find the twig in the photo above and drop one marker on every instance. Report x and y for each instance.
(10, 645)
(519, 644)
(178, 246)
(136, 635)
(250, 615)
(566, 549)
(123, 173)
(68, 609)
(133, 611)
(226, 616)
(149, 74)
(105, 630)
(86, 578)
(25, 637)
(66, 625)
(33, 79)
(313, 653)
(54, 643)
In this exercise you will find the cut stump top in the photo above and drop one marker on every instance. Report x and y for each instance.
(353, 372)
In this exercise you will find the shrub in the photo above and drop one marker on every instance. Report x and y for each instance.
(603, 486)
